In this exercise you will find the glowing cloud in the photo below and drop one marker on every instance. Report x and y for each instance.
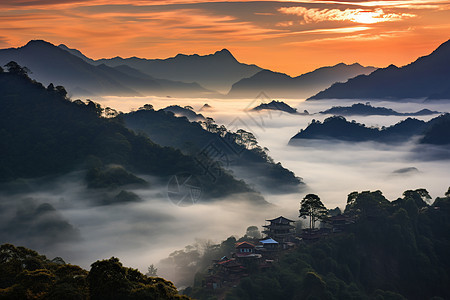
(314, 15)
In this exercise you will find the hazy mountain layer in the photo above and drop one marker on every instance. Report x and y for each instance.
(216, 71)
(279, 85)
(49, 63)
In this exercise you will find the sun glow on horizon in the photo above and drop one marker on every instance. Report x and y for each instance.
(288, 36)
(314, 15)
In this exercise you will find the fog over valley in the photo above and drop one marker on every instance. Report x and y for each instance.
(85, 227)
(226, 195)
(336, 167)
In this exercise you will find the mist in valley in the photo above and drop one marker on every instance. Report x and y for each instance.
(61, 217)
(331, 169)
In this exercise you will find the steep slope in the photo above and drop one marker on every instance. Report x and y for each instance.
(279, 85)
(427, 77)
(77, 53)
(216, 71)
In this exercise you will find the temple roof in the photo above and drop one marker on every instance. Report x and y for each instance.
(281, 220)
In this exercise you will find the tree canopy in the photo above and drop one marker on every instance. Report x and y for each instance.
(25, 274)
(312, 207)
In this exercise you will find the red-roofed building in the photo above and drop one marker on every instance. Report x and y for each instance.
(245, 247)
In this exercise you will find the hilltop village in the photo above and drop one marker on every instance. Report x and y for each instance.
(253, 254)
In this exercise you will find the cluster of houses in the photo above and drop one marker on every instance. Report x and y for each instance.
(253, 254)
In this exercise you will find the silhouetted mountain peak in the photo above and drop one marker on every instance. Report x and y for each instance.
(356, 65)
(38, 43)
(64, 47)
(391, 67)
(224, 53)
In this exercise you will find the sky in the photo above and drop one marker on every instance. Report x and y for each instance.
(292, 37)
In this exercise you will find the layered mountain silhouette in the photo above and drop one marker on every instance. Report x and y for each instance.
(279, 85)
(433, 132)
(45, 134)
(368, 110)
(216, 71)
(229, 149)
(49, 63)
(428, 77)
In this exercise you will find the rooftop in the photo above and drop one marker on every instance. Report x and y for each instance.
(281, 220)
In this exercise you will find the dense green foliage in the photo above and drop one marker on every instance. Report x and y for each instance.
(24, 274)
(235, 150)
(45, 133)
(394, 250)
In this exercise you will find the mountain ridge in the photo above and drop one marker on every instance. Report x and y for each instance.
(280, 85)
(202, 69)
(51, 64)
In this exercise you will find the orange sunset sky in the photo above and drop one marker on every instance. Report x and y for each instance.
(286, 36)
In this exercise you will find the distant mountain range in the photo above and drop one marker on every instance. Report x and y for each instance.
(216, 71)
(369, 110)
(220, 75)
(279, 85)
(50, 64)
(182, 75)
(428, 77)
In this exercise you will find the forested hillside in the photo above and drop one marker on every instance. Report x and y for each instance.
(394, 250)
(238, 151)
(44, 133)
